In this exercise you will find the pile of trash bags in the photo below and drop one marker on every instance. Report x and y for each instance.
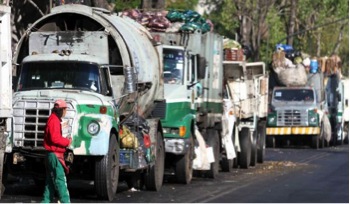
(170, 21)
(290, 66)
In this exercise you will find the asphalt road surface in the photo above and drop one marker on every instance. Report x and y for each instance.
(288, 175)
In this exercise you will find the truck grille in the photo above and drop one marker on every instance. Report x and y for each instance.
(30, 118)
(292, 118)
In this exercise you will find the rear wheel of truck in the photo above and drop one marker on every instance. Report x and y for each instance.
(183, 169)
(107, 171)
(254, 155)
(154, 176)
(213, 141)
(261, 141)
(246, 148)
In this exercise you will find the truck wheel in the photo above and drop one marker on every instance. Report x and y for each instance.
(183, 169)
(213, 141)
(107, 171)
(154, 177)
(228, 164)
(246, 148)
(261, 141)
(235, 160)
(346, 133)
(271, 141)
(321, 137)
(254, 155)
(315, 141)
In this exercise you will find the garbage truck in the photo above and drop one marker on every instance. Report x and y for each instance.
(297, 106)
(246, 93)
(110, 74)
(5, 83)
(192, 63)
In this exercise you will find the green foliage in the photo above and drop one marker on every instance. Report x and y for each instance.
(223, 18)
(276, 32)
(181, 4)
(121, 5)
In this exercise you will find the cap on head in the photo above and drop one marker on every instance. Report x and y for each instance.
(60, 104)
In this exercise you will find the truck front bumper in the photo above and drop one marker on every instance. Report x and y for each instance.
(177, 146)
(293, 130)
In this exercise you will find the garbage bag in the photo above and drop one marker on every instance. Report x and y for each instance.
(175, 16)
(128, 138)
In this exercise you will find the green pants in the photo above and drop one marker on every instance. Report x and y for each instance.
(55, 180)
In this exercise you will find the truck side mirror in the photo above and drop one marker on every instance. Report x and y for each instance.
(202, 65)
(346, 102)
(14, 82)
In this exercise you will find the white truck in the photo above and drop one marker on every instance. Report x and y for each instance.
(246, 87)
(5, 83)
(108, 71)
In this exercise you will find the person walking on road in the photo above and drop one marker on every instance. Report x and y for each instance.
(55, 145)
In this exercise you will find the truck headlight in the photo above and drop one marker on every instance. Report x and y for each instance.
(93, 128)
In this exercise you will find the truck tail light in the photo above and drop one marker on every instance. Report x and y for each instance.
(146, 140)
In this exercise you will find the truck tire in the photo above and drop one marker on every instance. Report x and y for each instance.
(261, 141)
(254, 155)
(346, 131)
(235, 160)
(213, 141)
(155, 174)
(315, 141)
(321, 137)
(271, 141)
(183, 169)
(107, 171)
(246, 148)
(228, 164)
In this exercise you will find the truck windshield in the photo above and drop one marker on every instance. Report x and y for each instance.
(305, 95)
(59, 75)
(173, 66)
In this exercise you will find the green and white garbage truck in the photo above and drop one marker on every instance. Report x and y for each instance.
(197, 124)
(298, 107)
(5, 83)
(110, 74)
(193, 102)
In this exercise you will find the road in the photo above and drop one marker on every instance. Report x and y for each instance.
(288, 175)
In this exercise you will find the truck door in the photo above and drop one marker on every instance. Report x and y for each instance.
(193, 85)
